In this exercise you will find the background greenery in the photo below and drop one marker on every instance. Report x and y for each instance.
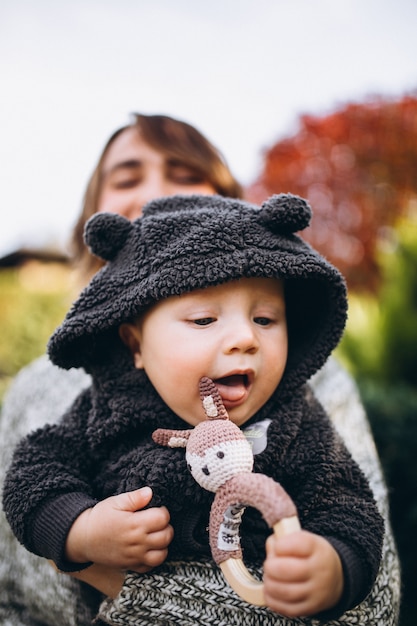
(33, 300)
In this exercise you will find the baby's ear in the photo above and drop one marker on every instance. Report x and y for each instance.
(130, 335)
(171, 438)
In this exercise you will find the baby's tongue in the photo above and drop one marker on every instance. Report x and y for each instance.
(231, 388)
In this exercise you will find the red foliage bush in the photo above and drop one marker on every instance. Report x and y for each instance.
(358, 169)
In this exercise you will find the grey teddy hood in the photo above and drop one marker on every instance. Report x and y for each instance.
(183, 243)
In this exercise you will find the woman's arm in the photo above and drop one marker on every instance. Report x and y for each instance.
(30, 591)
(47, 484)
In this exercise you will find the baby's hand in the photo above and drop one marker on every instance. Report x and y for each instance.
(116, 533)
(302, 574)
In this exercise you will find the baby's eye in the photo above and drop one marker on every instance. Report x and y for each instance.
(262, 321)
(204, 321)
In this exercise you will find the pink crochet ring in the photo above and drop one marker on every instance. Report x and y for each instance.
(220, 459)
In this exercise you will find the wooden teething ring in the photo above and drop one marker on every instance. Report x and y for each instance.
(278, 510)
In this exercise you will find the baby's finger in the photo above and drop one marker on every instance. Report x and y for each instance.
(298, 544)
(152, 520)
(161, 539)
(149, 560)
(285, 570)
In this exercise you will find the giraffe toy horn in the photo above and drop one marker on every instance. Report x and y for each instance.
(211, 399)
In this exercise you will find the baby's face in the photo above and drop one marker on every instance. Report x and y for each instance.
(235, 333)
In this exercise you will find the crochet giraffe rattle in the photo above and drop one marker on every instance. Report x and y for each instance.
(220, 459)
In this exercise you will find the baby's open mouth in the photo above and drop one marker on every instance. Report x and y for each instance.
(234, 380)
(233, 388)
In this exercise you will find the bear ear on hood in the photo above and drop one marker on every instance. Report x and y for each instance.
(285, 213)
(106, 233)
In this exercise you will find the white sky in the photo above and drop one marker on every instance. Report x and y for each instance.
(242, 71)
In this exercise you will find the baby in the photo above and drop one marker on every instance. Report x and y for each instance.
(200, 286)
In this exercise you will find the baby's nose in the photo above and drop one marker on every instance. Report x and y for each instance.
(242, 338)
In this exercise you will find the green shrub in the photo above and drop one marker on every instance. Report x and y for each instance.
(31, 306)
(392, 412)
(381, 336)
(380, 348)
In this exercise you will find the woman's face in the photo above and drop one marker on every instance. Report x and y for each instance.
(134, 173)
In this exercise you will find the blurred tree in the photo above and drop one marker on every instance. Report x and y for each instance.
(357, 167)
(380, 342)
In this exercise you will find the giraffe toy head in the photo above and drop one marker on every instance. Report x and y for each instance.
(216, 449)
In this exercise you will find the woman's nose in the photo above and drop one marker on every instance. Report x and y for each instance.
(150, 189)
(133, 211)
(153, 187)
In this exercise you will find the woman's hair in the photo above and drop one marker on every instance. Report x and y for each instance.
(173, 138)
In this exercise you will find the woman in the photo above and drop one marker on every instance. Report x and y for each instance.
(153, 156)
